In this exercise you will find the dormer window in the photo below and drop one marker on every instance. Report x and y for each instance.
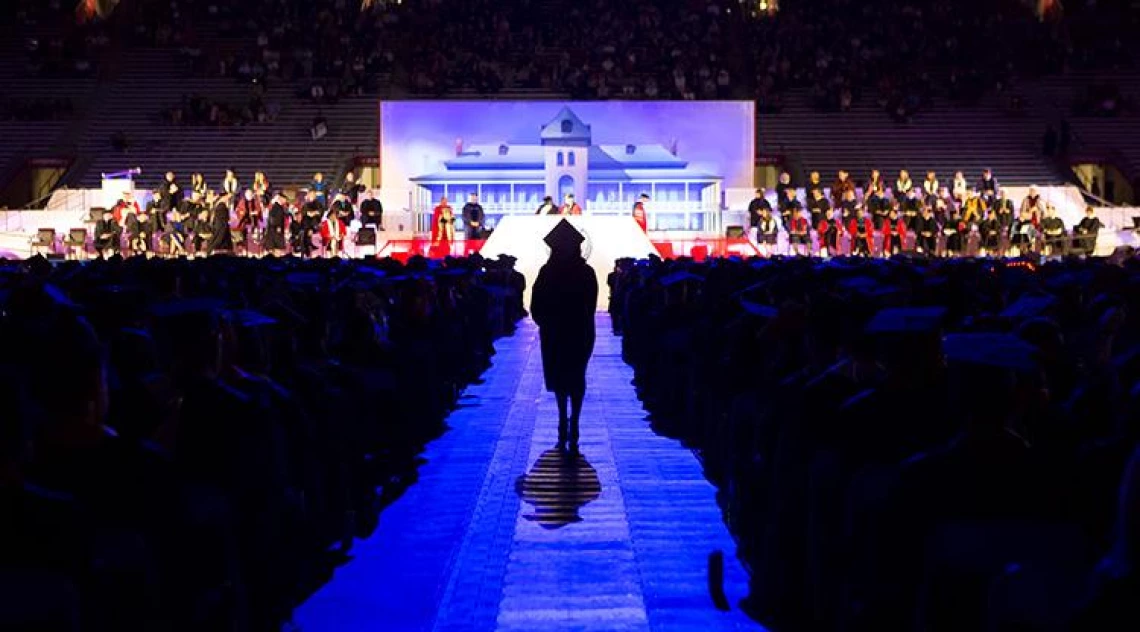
(567, 126)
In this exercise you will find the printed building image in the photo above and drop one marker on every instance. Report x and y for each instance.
(605, 179)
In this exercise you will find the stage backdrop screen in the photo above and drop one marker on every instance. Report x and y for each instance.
(686, 155)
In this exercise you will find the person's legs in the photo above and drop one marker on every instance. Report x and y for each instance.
(563, 420)
(575, 414)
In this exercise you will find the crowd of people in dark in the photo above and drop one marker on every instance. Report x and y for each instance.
(200, 110)
(927, 216)
(906, 444)
(194, 445)
(899, 56)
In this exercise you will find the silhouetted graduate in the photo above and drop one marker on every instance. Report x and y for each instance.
(563, 301)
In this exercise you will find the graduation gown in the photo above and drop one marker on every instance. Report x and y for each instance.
(639, 216)
(371, 212)
(107, 234)
(766, 230)
(570, 209)
(563, 302)
(333, 229)
(220, 238)
(861, 234)
(275, 228)
(894, 234)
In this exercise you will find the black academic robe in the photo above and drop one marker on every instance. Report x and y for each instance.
(473, 212)
(344, 211)
(990, 230)
(754, 208)
(371, 213)
(275, 228)
(563, 302)
(107, 234)
(220, 238)
(1085, 233)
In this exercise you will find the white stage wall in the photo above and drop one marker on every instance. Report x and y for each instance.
(607, 239)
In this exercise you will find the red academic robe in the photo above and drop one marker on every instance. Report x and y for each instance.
(821, 234)
(440, 238)
(570, 209)
(900, 228)
(332, 229)
(868, 230)
(122, 208)
(639, 216)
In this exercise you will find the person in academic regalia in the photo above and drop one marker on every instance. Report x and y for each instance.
(824, 234)
(203, 228)
(1053, 229)
(442, 228)
(260, 186)
(371, 210)
(547, 207)
(275, 225)
(955, 230)
(126, 204)
(230, 185)
(814, 184)
(847, 206)
(910, 208)
(220, 238)
(639, 212)
(333, 232)
(198, 184)
(155, 210)
(755, 206)
(107, 232)
(563, 303)
(862, 232)
(311, 213)
(843, 183)
(990, 231)
(249, 213)
(926, 227)
(343, 208)
(138, 231)
(799, 232)
(903, 184)
(819, 206)
(789, 207)
(473, 218)
(351, 188)
(569, 206)
(767, 231)
(894, 233)
(1085, 232)
(170, 193)
(298, 244)
(1023, 234)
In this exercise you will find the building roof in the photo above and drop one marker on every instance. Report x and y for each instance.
(493, 157)
(556, 131)
(538, 176)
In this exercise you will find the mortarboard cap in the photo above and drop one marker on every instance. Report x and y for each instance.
(907, 320)
(680, 277)
(1001, 351)
(248, 318)
(759, 310)
(563, 236)
(1028, 307)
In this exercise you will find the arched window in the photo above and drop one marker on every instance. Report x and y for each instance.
(567, 126)
(570, 159)
(560, 160)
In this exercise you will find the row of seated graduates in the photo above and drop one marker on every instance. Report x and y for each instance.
(879, 477)
(193, 445)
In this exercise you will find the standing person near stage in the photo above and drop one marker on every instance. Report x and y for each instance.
(220, 238)
(755, 209)
(473, 218)
(275, 225)
(639, 215)
(569, 206)
(311, 213)
(547, 207)
(442, 228)
(563, 302)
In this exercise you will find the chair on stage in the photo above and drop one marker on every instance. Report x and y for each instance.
(43, 242)
(76, 243)
(365, 238)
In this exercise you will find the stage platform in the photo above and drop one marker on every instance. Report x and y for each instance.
(616, 541)
(608, 238)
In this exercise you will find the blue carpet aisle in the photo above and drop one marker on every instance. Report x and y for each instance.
(502, 533)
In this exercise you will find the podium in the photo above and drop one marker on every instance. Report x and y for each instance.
(608, 238)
